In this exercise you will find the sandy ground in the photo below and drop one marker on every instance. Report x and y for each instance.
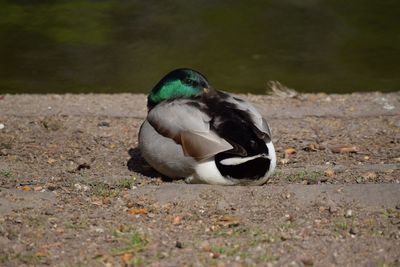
(74, 190)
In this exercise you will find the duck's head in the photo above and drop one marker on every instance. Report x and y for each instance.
(178, 83)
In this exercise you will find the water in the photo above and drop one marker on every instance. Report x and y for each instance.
(127, 46)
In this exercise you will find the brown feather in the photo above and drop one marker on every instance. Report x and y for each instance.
(201, 145)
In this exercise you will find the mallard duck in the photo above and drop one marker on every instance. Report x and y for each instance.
(196, 132)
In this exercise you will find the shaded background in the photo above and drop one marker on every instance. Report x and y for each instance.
(127, 46)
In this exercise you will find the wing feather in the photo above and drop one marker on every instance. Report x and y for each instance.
(183, 121)
(261, 128)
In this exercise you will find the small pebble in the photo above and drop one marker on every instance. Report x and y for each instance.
(3, 152)
(78, 187)
(349, 214)
(99, 230)
(164, 254)
(103, 124)
(178, 244)
(323, 179)
(395, 221)
(285, 237)
(106, 201)
(85, 188)
(332, 209)
(38, 188)
(2, 126)
(215, 255)
(353, 231)
(370, 175)
(177, 220)
(83, 166)
(51, 187)
(49, 212)
(388, 106)
(205, 246)
(284, 161)
(308, 261)
(51, 161)
(289, 217)
(311, 181)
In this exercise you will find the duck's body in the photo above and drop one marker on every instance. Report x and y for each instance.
(206, 136)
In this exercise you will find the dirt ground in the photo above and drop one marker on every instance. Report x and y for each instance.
(74, 190)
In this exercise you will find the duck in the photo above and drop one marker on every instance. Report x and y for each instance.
(204, 135)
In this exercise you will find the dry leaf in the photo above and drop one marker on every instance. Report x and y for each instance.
(370, 175)
(40, 254)
(228, 221)
(126, 258)
(97, 202)
(290, 151)
(177, 220)
(51, 161)
(136, 211)
(311, 147)
(284, 161)
(26, 188)
(314, 147)
(51, 245)
(330, 173)
(344, 149)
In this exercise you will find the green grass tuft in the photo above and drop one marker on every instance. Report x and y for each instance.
(132, 240)
(305, 176)
(5, 173)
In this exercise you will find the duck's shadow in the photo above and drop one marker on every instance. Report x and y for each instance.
(137, 164)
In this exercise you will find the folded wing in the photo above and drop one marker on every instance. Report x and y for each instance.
(184, 121)
(261, 126)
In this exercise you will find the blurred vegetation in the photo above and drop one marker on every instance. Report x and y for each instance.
(115, 46)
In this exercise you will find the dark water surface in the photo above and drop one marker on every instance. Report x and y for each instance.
(127, 46)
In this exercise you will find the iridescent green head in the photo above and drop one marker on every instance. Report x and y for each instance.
(178, 83)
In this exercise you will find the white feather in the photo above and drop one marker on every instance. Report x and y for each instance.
(272, 157)
(238, 160)
(207, 172)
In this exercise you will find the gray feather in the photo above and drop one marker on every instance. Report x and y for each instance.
(163, 154)
(188, 126)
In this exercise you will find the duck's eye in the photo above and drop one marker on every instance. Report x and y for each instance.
(190, 82)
